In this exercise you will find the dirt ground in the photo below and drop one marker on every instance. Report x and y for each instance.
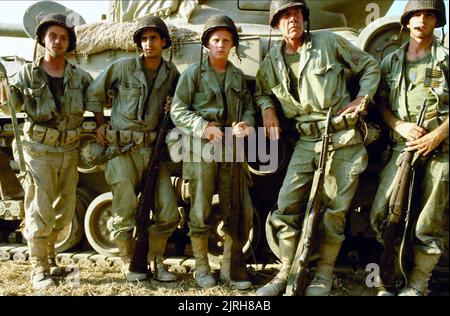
(99, 281)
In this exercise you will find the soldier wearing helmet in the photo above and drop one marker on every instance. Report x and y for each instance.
(205, 106)
(415, 73)
(306, 76)
(52, 93)
(139, 90)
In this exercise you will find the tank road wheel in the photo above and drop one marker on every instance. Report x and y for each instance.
(72, 234)
(380, 38)
(215, 243)
(95, 225)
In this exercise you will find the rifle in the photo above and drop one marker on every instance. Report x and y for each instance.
(147, 203)
(15, 123)
(298, 276)
(238, 269)
(400, 197)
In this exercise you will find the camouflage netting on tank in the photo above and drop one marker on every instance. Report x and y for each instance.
(102, 36)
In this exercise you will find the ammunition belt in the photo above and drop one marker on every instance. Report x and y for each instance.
(50, 136)
(120, 138)
(338, 123)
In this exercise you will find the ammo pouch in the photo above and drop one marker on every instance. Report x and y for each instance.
(338, 123)
(121, 138)
(50, 136)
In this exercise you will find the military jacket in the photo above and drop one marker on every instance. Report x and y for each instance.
(31, 93)
(199, 100)
(394, 87)
(322, 82)
(122, 86)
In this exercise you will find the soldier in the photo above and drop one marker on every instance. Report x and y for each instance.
(205, 103)
(306, 75)
(51, 91)
(412, 74)
(139, 91)
(2, 89)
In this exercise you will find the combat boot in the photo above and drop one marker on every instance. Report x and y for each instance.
(157, 246)
(202, 273)
(125, 253)
(40, 270)
(323, 277)
(54, 269)
(420, 275)
(277, 286)
(225, 267)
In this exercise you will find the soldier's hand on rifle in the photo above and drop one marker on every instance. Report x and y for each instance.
(241, 129)
(352, 107)
(213, 132)
(168, 104)
(271, 124)
(426, 144)
(409, 131)
(101, 134)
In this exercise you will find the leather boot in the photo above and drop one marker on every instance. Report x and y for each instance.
(424, 265)
(225, 267)
(54, 269)
(277, 286)
(40, 270)
(125, 253)
(323, 277)
(202, 273)
(157, 246)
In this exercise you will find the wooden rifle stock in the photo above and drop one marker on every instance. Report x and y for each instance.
(147, 203)
(398, 209)
(298, 276)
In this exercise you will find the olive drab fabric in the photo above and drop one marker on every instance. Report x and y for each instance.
(31, 93)
(437, 6)
(432, 187)
(198, 101)
(321, 85)
(151, 22)
(122, 86)
(50, 141)
(135, 107)
(56, 19)
(219, 21)
(277, 6)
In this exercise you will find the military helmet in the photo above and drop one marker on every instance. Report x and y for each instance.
(277, 6)
(437, 6)
(90, 152)
(152, 22)
(56, 19)
(219, 21)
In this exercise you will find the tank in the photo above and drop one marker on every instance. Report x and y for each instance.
(361, 22)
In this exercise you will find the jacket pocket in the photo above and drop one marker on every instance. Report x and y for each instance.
(129, 96)
(74, 95)
(286, 101)
(326, 80)
(36, 103)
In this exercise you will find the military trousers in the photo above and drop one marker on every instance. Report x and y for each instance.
(205, 180)
(124, 174)
(341, 180)
(50, 190)
(429, 212)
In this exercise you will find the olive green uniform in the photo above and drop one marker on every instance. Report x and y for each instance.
(198, 101)
(51, 138)
(137, 110)
(320, 85)
(406, 86)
